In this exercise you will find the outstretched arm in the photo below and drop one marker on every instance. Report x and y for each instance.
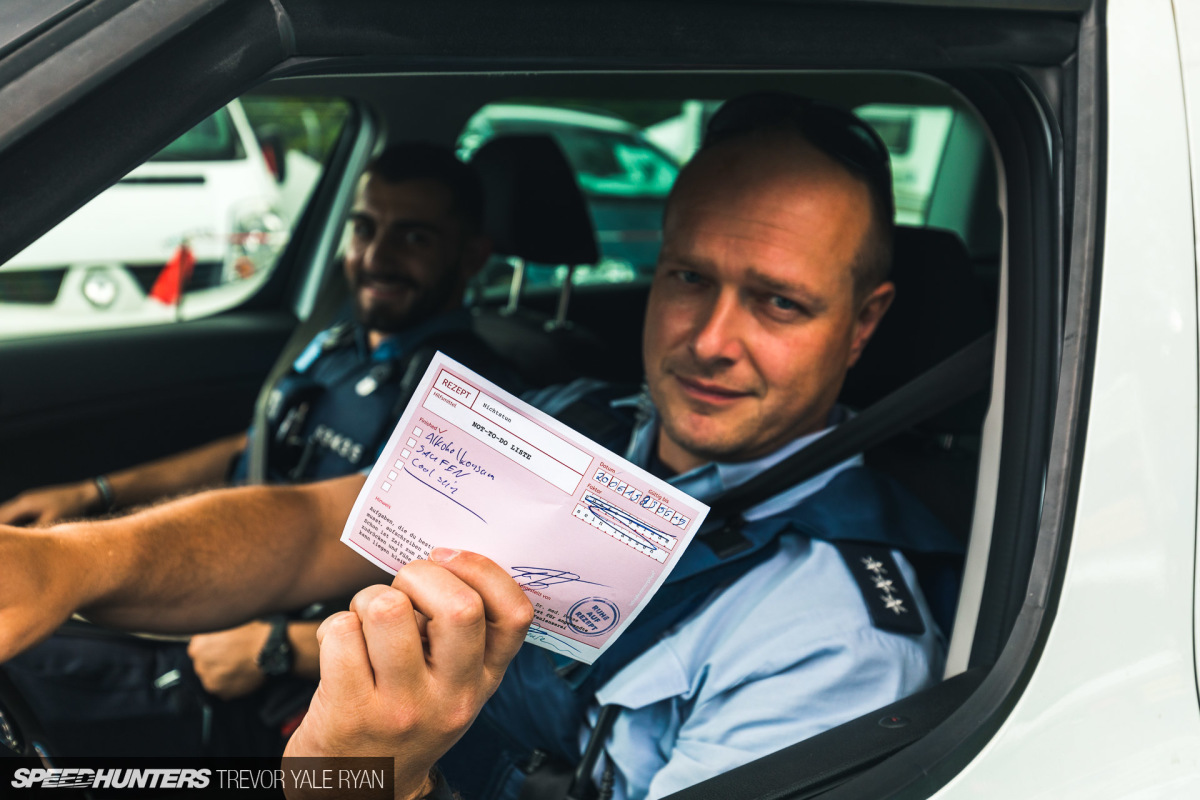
(203, 466)
(200, 563)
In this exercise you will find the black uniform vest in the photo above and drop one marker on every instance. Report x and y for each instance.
(332, 417)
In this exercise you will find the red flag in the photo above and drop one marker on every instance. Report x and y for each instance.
(174, 276)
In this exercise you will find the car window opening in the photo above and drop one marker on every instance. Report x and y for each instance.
(575, 302)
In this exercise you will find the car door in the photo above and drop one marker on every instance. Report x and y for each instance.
(90, 93)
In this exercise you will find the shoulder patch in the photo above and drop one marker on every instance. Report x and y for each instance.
(324, 342)
(888, 598)
(338, 336)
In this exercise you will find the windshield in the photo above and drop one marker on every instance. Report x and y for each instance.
(615, 164)
(607, 163)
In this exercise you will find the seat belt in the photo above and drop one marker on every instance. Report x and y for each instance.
(330, 300)
(952, 380)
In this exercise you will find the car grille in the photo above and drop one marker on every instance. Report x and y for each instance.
(37, 287)
(205, 275)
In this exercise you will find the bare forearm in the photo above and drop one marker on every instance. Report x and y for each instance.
(218, 558)
(203, 467)
(186, 472)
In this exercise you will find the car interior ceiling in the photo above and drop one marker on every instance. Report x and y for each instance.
(949, 291)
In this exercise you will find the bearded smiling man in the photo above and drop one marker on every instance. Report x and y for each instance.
(414, 241)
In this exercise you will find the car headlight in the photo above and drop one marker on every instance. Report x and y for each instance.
(256, 237)
(99, 288)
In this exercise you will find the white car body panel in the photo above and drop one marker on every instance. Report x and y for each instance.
(1111, 708)
(103, 230)
(139, 224)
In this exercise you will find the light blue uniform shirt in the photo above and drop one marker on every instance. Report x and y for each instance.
(785, 652)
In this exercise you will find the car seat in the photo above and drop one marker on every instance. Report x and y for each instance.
(940, 307)
(536, 213)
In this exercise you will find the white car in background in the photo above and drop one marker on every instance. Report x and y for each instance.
(213, 191)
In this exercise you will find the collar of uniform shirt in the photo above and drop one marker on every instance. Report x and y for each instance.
(707, 481)
(398, 344)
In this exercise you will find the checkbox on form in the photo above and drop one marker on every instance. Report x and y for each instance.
(391, 476)
(416, 431)
(404, 453)
(387, 487)
(412, 442)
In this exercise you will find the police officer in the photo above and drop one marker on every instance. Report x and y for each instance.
(414, 240)
(804, 613)
(772, 278)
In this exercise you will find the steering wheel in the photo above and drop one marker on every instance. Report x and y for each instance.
(21, 733)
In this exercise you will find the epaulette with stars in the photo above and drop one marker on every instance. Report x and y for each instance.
(888, 598)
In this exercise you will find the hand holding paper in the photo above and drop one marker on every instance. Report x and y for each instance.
(390, 689)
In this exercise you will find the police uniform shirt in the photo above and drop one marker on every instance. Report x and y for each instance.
(785, 652)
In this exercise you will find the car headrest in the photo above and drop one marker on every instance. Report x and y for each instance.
(533, 206)
(940, 307)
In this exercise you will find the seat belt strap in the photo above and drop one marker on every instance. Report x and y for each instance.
(953, 380)
(329, 302)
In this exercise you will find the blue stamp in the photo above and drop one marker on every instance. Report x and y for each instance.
(593, 616)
